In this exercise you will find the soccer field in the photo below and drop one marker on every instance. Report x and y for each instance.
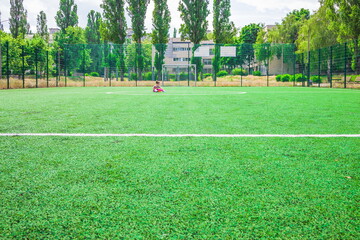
(198, 176)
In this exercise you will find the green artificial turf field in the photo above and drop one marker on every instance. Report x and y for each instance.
(179, 188)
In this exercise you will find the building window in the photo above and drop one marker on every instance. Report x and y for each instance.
(181, 49)
(181, 59)
(207, 61)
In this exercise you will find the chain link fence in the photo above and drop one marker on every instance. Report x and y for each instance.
(78, 65)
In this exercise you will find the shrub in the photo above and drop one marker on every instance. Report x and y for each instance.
(286, 78)
(222, 73)
(183, 76)
(86, 74)
(300, 77)
(257, 73)
(316, 79)
(133, 76)
(278, 78)
(354, 77)
(147, 76)
(238, 71)
(172, 77)
(207, 75)
(94, 74)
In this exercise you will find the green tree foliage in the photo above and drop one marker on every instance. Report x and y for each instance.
(72, 43)
(42, 29)
(194, 26)
(160, 33)
(137, 12)
(114, 27)
(247, 39)
(19, 26)
(224, 30)
(67, 15)
(288, 30)
(345, 14)
(92, 30)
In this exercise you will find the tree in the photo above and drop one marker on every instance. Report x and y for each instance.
(345, 14)
(67, 15)
(72, 43)
(114, 27)
(42, 29)
(194, 14)
(224, 30)
(160, 33)
(19, 26)
(137, 12)
(92, 30)
(247, 38)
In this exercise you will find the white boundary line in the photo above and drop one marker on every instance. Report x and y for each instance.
(187, 135)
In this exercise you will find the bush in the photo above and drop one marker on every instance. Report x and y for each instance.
(238, 71)
(257, 73)
(316, 79)
(354, 77)
(286, 78)
(183, 76)
(86, 75)
(278, 78)
(300, 77)
(222, 73)
(94, 74)
(207, 75)
(147, 76)
(133, 76)
(172, 77)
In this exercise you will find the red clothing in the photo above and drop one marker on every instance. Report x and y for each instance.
(158, 89)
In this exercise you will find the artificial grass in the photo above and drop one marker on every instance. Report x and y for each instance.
(179, 188)
(181, 110)
(184, 188)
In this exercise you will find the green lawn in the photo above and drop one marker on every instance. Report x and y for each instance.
(179, 188)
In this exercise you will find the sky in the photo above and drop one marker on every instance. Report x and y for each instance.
(243, 12)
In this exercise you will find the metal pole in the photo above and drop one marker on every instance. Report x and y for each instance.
(47, 68)
(294, 65)
(319, 66)
(308, 70)
(188, 65)
(57, 68)
(84, 65)
(65, 73)
(7, 66)
(331, 63)
(23, 65)
(345, 65)
(36, 67)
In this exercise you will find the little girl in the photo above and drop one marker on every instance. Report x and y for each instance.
(157, 87)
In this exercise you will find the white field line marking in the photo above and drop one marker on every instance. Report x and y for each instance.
(187, 135)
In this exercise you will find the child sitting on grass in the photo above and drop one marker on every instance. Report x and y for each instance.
(157, 87)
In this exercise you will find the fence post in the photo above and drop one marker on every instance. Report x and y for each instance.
(36, 67)
(57, 67)
(308, 70)
(188, 65)
(294, 65)
(7, 66)
(84, 83)
(345, 65)
(47, 68)
(23, 65)
(331, 63)
(65, 73)
(319, 66)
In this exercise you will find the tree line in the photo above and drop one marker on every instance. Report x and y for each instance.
(335, 21)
